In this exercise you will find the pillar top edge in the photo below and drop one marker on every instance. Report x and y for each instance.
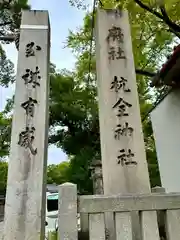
(35, 18)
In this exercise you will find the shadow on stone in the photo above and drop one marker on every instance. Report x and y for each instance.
(83, 235)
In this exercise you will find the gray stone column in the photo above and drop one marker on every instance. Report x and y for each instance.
(67, 213)
(26, 185)
(96, 175)
(124, 162)
(122, 146)
(160, 214)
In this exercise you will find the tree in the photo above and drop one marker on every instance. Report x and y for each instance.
(5, 131)
(151, 34)
(3, 176)
(79, 172)
(6, 69)
(73, 109)
(10, 16)
(55, 174)
(58, 173)
(155, 30)
(74, 124)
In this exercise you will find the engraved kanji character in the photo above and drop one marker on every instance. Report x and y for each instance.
(123, 83)
(115, 33)
(32, 77)
(115, 84)
(116, 54)
(26, 139)
(122, 105)
(31, 48)
(29, 106)
(123, 131)
(120, 54)
(112, 53)
(118, 84)
(125, 158)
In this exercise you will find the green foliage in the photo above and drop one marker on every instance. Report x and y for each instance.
(73, 109)
(6, 69)
(74, 124)
(74, 112)
(79, 172)
(153, 38)
(10, 17)
(5, 132)
(3, 176)
(80, 4)
(79, 135)
(55, 174)
(52, 235)
(58, 173)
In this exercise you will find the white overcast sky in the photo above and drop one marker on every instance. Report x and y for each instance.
(62, 17)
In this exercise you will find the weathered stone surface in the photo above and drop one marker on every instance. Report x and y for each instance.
(123, 226)
(172, 224)
(158, 190)
(96, 175)
(67, 215)
(25, 199)
(117, 203)
(116, 79)
(96, 226)
(123, 155)
(160, 214)
(149, 226)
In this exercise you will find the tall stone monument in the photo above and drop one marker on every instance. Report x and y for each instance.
(26, 186)
(124, 162)
(122, 145)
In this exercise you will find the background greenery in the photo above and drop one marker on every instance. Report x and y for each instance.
(74, 124)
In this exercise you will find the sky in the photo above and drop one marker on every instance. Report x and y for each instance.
(63, 18)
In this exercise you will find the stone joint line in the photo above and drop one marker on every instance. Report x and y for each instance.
(34, 27)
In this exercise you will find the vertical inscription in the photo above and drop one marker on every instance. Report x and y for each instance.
(32, 78)
(119, 85)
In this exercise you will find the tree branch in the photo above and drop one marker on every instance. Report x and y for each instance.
(174, 28)
(1, 32)
(145, 73)
(9, 38)
(5, 5)
(168, 21)
(175, 33)
(6, 23)
(142, 5)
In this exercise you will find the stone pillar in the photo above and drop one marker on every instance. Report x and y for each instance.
(96, 175)
(67, 212)
(161, 216)
(122, 146)
(166, 127)
(124, 162)
(158, 189)
(26, 185)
